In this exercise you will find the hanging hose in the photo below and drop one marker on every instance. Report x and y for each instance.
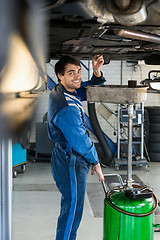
(129, 213)
(99, 134)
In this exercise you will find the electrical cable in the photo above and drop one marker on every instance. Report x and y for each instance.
(99, 134)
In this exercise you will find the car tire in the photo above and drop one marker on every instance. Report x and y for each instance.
(154, 157)
(154, 128)
(154, 137)
(154, 119)
(154, 147)
(153, 111)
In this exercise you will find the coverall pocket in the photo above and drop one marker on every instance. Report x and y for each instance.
(66, 154)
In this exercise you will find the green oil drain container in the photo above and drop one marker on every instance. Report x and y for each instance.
(128, 219)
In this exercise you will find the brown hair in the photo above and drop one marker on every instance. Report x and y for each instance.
(63, 61)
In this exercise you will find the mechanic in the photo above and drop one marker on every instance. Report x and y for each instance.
(73, 152)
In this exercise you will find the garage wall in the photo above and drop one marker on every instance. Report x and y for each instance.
(117, 73)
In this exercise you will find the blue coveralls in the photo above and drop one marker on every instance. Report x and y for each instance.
(72, 155)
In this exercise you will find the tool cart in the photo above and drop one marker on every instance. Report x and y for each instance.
(138, 158)
(19, 158)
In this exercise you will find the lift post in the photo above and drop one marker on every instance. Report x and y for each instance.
(129, 171)
(6, 189)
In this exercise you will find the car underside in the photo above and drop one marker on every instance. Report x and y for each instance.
(120, 30)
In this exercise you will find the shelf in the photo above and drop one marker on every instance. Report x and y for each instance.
(133, 142)
(137, 141)
(124, 162)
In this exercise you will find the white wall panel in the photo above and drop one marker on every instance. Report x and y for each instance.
(112, 73)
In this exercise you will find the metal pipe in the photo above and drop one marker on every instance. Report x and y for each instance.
(123, 4)
(137, 35)
(54, 5)
(127, 13)
(118, 133)
(142, 131)
(89, 69)
(6, 189)
(129, 171)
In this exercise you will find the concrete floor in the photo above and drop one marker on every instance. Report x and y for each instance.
(36, 203)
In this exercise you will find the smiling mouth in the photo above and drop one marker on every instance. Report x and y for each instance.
(76, 81)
